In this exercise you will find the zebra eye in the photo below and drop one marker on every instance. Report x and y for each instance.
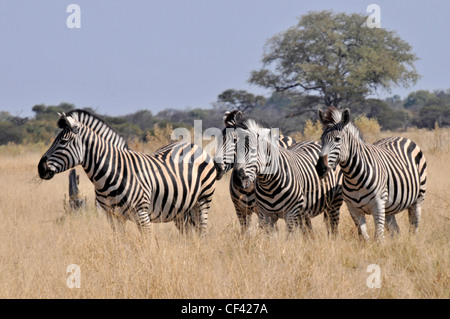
(337, 139)
(63, 142)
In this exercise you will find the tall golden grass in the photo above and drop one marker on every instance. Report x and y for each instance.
(39, 240)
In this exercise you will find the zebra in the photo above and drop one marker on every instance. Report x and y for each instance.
(226, 153)
(380, 179)
(243, 200)
(285, 180)
(176, 183)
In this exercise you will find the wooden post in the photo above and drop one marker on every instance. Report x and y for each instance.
(75, 201)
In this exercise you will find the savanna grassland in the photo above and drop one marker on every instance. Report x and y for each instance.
(39, 240)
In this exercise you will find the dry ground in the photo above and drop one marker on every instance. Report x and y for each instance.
(39, 240)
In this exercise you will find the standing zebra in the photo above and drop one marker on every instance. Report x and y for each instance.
(286, 183)
(243, 199)
(380, 179)
(169, 185)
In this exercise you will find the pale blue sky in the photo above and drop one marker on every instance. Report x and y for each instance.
(157, 54)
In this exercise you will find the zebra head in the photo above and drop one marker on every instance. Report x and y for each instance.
(66, 150)
(226, 151)
(334, 139)
(256, 148)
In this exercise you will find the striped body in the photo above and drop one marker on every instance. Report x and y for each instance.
(173, 184)
(384, 170)
(286, 183)
(380, 179)
(244, 200)
(165, 184)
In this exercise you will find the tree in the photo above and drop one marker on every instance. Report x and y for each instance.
(143, 118)
(431, 114)
(50, 113)
(387, 117)
(240, 100)
(419, 99)
(336, 56)
(10, 133)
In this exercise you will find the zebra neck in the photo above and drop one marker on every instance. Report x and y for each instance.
(102, 160)
(270, 170)
(357, 164)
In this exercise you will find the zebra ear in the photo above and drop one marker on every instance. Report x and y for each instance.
(345, 117)
(239, 116)
(225, 117)
(62, 122)
(232, 118)
(68, 122)
(320, 115)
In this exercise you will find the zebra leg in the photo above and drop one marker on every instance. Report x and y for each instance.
(204, 205)
(307, 231)
(331, 219)
(294, 221)
(100, 209)
(143, 222)
(414, 213)
(267, 221)
(189, 220)
(326, 220)
(180, 223)
(193, 220)
(115, 221)
(333, 213)
(379, 217)
(391, 225)
(360, 221)
(244, 218)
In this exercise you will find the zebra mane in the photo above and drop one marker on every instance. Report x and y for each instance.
(253, 126)
(248, 124)
(332, 118)
(99, 126)
(231, 118)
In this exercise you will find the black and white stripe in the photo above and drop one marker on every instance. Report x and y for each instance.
(380, 179)
(286, 183)
(176, 183)
(243, 199)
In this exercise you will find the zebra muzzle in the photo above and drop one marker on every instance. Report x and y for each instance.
(246, 184)
(220, 171)
(322, 166)
(45, 172)
(242, 179)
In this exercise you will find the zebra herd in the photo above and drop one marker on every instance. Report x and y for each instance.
(272, 176)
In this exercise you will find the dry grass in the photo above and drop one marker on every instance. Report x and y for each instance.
(39, 241)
